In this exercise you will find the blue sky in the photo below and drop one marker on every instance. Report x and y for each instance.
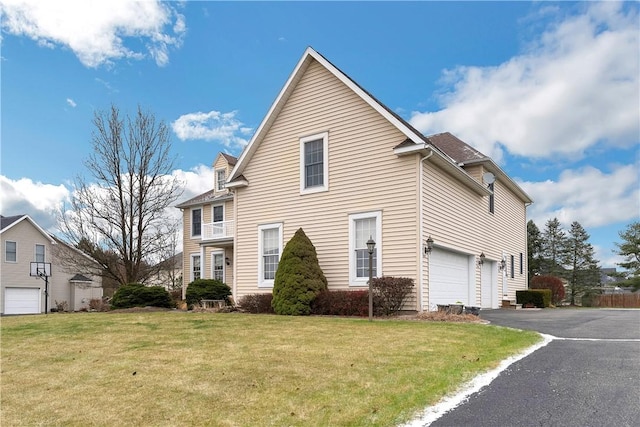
(550, 90)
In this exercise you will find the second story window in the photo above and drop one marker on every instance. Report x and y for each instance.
(196, 222)
(40, 253)
(10, 251)
(221, 179)
(314, 163)
(491, 198)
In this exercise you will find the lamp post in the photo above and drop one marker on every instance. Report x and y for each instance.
(371, 246)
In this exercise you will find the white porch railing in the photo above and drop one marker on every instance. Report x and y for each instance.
(218, 230)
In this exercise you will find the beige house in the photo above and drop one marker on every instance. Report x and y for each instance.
(330, 158)
(25, 242)
(209, 229)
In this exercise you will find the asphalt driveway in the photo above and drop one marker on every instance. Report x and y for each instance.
(588, 375)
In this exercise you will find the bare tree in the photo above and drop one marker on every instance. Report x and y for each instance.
(118, 214)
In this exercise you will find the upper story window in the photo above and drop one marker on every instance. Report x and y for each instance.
(196, 222)
(40, 253)
(269, 250)
(221, 179)
(362, 227)
(314, 163)
(218, 213)
(10, 251)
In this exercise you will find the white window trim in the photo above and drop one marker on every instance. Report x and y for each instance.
(362, 281)
(215, 206)
(5, 251)
(191, 257)
(191, 222)
(262, 283)
(35, 252)
(215, 174)
(224, 268)
(325, 165)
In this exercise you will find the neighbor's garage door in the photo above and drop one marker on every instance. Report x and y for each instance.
(448, 278)
(21, 300)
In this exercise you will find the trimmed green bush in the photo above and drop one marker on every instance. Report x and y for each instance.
(299, 277)
(201, 289)
(138, 295)
(256, 303)
(390, 293)
(540, 298)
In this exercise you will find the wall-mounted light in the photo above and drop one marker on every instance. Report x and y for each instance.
(227, 260)
(429, 246)
(481, 259)
(502, 265)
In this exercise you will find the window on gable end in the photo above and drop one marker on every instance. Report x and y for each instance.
(10, 251)
(314, 163)
(492, 198)
(362, 227)
(269, 250)
(40, 255)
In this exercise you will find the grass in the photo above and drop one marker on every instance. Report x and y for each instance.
(177, 368)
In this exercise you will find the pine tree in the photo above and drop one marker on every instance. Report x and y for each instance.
(299, 277)
(553, 248)
(534, 249)
(630, 250)
(582, 267)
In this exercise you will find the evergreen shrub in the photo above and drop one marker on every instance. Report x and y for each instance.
(138, 295)
(549, 282)
(257, 303)
(201, 289)
(299, 277)
(540, 298)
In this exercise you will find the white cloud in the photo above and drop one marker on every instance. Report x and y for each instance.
(575, 87)
(71, 102)
(587, 195)
(212, 126)
(96, 30)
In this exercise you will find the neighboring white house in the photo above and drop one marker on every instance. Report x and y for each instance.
(24, 242)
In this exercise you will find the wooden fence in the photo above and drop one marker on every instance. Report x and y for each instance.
(617, 300)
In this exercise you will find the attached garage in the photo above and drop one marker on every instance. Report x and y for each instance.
(21, 300)
(450, 278)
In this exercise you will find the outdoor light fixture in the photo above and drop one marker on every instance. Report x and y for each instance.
(503, 265)
(227, 260)
(371, 246)
(429, 245)
(482, 258)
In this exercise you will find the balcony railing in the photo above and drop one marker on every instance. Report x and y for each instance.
(218, 230)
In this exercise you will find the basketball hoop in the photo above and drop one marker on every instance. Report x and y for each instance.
(43, 271)
(40, 269)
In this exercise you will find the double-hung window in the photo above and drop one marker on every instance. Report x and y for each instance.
(314, 163)
(196, 267)
(269, 250)
(217, 263)
(363, 227)
(40, 256)
(10, 251)
(196, 222)
(221, 179)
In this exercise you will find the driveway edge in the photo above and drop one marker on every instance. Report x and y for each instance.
(432, 413)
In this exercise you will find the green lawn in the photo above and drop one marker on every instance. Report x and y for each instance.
(178, 368)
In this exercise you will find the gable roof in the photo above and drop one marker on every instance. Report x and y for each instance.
(230, 159)
(420, 142)
(7, 222)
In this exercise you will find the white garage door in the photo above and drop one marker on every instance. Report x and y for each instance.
(448, 278)
(21, 300)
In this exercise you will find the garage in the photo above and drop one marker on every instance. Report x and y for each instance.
(449, 278)
(21, 300)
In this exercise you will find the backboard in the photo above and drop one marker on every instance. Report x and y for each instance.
(40, 269)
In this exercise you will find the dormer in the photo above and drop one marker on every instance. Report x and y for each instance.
(221, 168)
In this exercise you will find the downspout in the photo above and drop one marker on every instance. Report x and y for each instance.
(421, 232)
(234, 288)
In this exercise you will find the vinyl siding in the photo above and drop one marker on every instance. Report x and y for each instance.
(459, 220)
(364, 176)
